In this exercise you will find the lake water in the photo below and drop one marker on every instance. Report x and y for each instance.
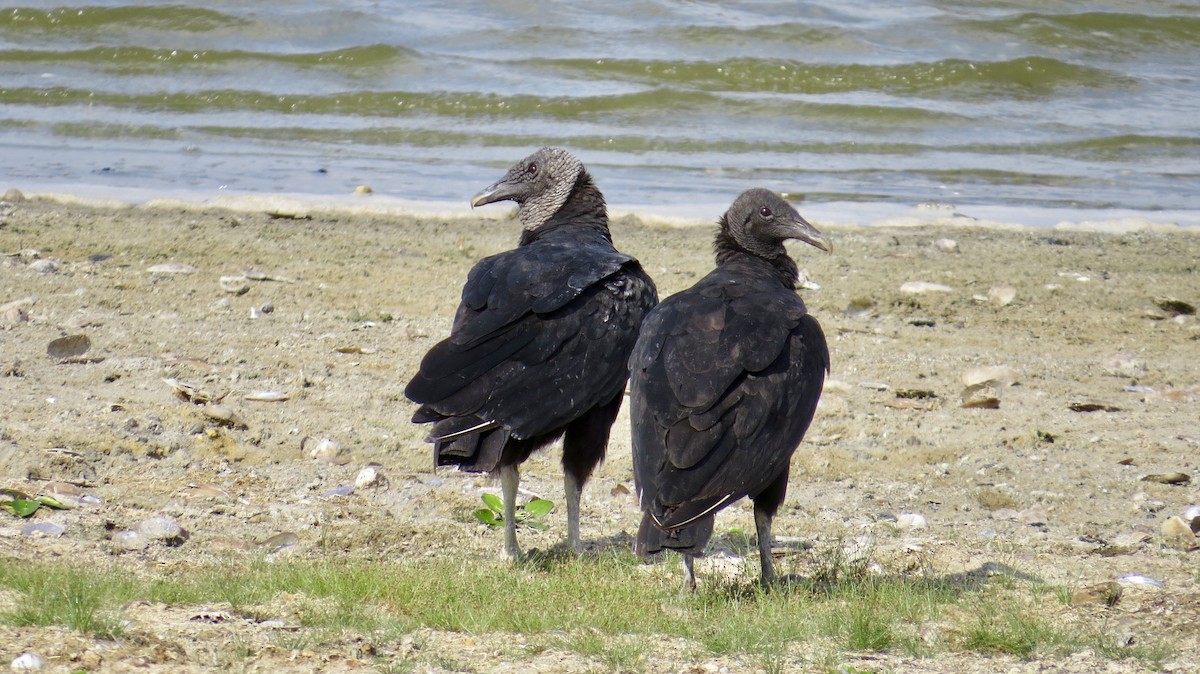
(1037, 109)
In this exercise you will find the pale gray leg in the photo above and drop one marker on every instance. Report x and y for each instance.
(762, 522)
(571, 487)
(509, 480)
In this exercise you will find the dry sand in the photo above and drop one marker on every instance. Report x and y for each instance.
(1103, 389)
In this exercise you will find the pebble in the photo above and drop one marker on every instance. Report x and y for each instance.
(946, 245)
(172, 268)
(1107, 593)
(14, 196)
(42, 530)
(1178, 532)
(363, 190)
(922, 287)
(129, 540)
(13, 315)
(238, 285)
(70, 346)
(1168, 478)
(1192, 517)
(223, 415)
(371, 475)
(328, 451)
(27, 662)
(280, 541)
(45, 266)
(342, 490)
(1002, 295)
(911, 521)
(1124, 365)
(161, 528)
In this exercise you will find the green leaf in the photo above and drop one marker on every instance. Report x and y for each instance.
(540, 526)
(539, 508)
(13, 494)
(486, 516)
(51, 502)
(22, 507)
(492, 501)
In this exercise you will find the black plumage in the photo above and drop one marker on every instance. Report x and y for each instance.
(725, 379)
(541, 340)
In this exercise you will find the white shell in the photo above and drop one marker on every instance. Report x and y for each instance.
(912, 521)
(918, 287)
(172, 268)
(27, 662)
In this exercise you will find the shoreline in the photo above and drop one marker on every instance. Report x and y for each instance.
(833, 215)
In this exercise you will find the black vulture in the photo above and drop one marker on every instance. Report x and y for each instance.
(725, 378)
(540, 344)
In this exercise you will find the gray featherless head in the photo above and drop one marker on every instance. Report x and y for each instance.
(539, 183)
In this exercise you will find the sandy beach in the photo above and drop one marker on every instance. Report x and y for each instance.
(998, 399)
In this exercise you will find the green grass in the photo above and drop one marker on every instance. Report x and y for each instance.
(607, 609)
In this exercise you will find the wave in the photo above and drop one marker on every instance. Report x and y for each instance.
(953, 78)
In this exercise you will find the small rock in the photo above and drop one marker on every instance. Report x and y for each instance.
(129, 540)
(162, 528)
(46, 266)
(223, 415)
(946, 245)
(238, 285)
(1175, 307)
(363, 190)
(371, 475)
(42, 530)
(911, 521)
(280, 541)
(14, 196)
(70, 346)
(328, 451)
(1168, 478)
(1124, 365)
(267, 308)
(14, 315)
(1092, 405)
(342, 490)
(1192, 517)
(922, 287)
(1002, 295)
(1107, 593)
(209, 492)
(172, 268)
(1177, 532)
(27, 662)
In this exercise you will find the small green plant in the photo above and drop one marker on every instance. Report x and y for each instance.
(531, 514)
(21, 505)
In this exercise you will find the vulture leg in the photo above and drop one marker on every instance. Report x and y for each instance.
(584, 445)
(766, 504)
(689, 580)
(509, 479)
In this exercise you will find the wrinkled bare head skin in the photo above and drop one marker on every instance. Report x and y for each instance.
(539, 183)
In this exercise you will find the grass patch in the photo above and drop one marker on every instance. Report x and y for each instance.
(607, 608)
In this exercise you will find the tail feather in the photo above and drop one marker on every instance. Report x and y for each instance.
(691, 539)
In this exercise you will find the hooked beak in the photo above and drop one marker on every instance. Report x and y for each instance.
(801, 230)
(500, 190)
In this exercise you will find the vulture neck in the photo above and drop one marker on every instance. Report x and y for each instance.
(780, 266)
(584, 209)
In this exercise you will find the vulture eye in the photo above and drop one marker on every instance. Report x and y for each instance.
(765, 212)
(532, 169)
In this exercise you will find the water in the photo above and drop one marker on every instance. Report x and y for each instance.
(1036, 109)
